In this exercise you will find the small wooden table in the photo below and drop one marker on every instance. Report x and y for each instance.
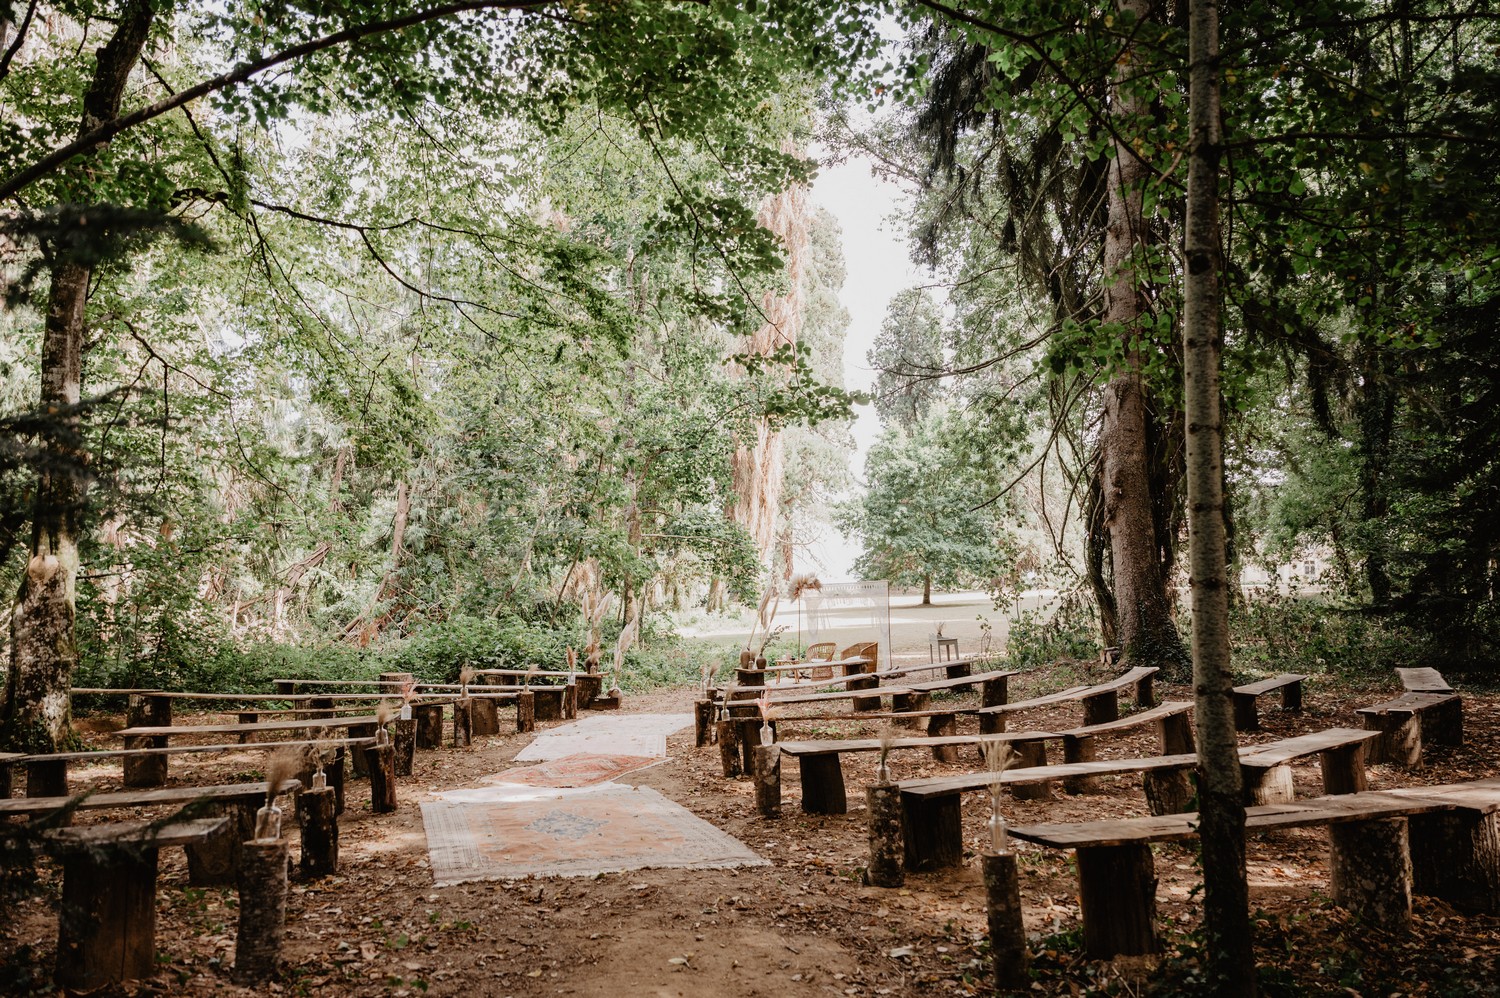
(106, 931)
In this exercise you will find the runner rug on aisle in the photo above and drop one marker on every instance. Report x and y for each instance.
(577, 833)
(607, 734)
(582, 770)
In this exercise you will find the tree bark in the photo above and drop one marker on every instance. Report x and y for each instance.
(44, 650)
(1226, 916)
(1145, 630)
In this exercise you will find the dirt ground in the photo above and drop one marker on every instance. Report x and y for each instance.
(803, 926)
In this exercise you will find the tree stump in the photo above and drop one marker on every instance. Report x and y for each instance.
(1145, 693)
(822, 779)
(957, 670)
(1175, 734)
(1344, 769)
(864, 682)
(322, 706)
(1444, 723)
(885, 869)
(589, 688)
(1029, 753)
(106, 931)
(1246, 717)
(941, 726)
(1456, 857)
(463, 722)
(1002, 892)
(147, 711)
(932, 831)
(991, 724)
(47, 778)
(703, 722)
(357, 763)
(392, 682)
(749, 737)
(1267, 785)
(1101, 708)
(570, 701)
(1117, 892)
(484, 717)
(767, 775)
(525, 711)
(904, 703)
(381, 762)
(320, 833)
(549, 703)
(7, 778)
(286, 687)
(1079, 749)
(1401, 738)
(212, 862)
(994, 692)
(1371, 871)
(1170, 791)
(262, 882)
(429, 718)
(729, 747)
(404, 738)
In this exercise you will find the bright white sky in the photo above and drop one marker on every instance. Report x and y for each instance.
(878, 260)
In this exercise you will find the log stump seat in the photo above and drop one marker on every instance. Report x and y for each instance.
(1410, 722)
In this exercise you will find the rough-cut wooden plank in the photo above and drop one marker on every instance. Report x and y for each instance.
(1423, 680)
(1290, 749)
(169, 796)
(960, 682)
(1155, 714)
(1104, 767)
(65, 757)
(1117, 893)
(821, 747)
(1267, 685)
(1062, 696)
(318, 723)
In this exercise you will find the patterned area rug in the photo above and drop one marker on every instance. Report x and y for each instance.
(577, 834)
(607, 734)
(582, 770)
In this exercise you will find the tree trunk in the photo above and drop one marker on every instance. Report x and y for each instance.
(1226, 915)
(44, 651)
(927, 589)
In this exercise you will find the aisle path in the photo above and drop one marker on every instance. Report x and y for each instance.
(567, 818)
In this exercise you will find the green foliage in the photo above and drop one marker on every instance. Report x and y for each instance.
(1069, 632)
(1273, 632)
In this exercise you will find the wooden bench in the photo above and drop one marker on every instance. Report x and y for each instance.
(1245, 716)
(211, 862)
(964, 681)
(931, 806)
(1407, 723)
(1423, 680)
(1101, 701)
(47, 774)
(821, 767)
(7, 781)
(1174, 733)
(107, 923)
(1375, 840)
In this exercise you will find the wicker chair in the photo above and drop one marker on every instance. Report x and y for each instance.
(823, 651)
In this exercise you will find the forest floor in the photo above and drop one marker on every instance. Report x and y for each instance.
(802, 926)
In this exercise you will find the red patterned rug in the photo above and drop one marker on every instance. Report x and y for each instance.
(581, 770)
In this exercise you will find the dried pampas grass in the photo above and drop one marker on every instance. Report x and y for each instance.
(282, 766)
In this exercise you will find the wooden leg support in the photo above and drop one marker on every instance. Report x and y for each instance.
(106, 931)
(864, 704)
(1344, 769)
(570, 702)
(1372, 871)
(994, 692)
(1002, 894)
(48, 778)
(1245, 716)
(883, 803)
(703, 719)
(404, 737)
(381, 762)
(823, 784)
(212, 862)
(484, 718)
(767, 780)
(263, 877)
(1145, 693)
(1175, 735)
(1267, 785)
(991, 724)
(1169, 791)
(1117, 892)
(147, 711)
(463, 722)
(357, 759)
(429, 718)
(729, 747)
(549, 704)
(335, 772)
(525, 711)
(320, 833)
(1291, 697)
(1028, 754)
(1456, 857)
(1400, 742)
(1101, 708)
(942, 726)
(957, 670)
(932, 831)
(1079, 749)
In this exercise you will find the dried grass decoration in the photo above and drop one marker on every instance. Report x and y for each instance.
(768, 714)
(319, 756)
(281, 767)
(627, 638)
(707, 673)
(407, 691)
(385, 713)
(802, 584)
(998, 757)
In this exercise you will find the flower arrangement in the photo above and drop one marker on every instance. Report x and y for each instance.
(998, 757)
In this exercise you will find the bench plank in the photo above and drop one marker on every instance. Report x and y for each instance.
(1423, 680)
(1169, 709)
(143, 798)
(1267, 685)
(243, 729)
(1288, 749)
(960, 681)
(191, 749)
(943, 785)
(835, 746)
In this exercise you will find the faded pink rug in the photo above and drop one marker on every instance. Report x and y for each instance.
(584, 769)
